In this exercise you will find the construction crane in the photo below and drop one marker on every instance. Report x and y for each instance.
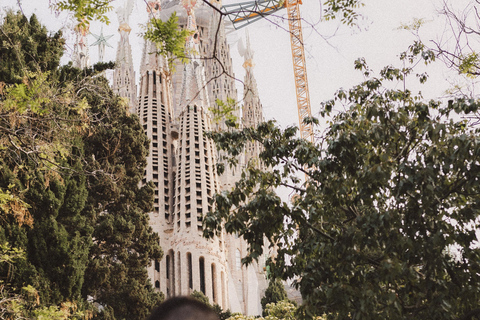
(245, 13)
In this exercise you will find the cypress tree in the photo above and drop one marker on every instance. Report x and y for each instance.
(58, 241)
(274, 293)
(40, 164)
(26, 46)
(124, 244)
(90, 235)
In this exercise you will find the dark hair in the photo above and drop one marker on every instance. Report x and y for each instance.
(183, 308)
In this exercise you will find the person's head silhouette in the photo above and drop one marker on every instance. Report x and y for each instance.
(183, 308)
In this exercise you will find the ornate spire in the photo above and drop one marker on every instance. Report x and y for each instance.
(220, 75)
(150, 59)
(153, 8)
(252, 108)
(124, 75)
(155, 85)
(101, 43)
(123, 14)
(194, 89)
(190, 6)
(248, 64)
(81, 58)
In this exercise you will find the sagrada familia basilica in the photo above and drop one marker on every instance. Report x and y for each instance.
(174, 106)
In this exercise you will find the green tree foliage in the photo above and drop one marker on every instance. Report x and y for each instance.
(384, 225)
(41, 213)
(58, 240)
(85, 10)
(39, 115)
(274, 293)
(281, 310)
(345, 10)
(124, 245)
(224, 111)
(71, 162)
(454, 48)
(201, 297)
(456, 52)
(169, 39)
(28, 47)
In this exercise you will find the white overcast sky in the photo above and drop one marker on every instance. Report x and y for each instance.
(329, 64)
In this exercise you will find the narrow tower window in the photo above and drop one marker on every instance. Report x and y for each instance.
(201, 266)
(214, 284)
(168, 267)
(190, 275)
(222, 289)
(238, 259)
(170, 273)
(179, 268)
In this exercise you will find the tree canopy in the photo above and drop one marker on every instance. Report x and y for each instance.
(124, 243)
(28, 47)
(73, 220)
(384, 225)
(280, 310)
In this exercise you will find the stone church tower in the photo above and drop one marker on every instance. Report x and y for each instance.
(215, 56)
(174, 110)
(124, 74)
(252, 113)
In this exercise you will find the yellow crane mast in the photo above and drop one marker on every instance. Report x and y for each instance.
(242, 14)
(299, 68)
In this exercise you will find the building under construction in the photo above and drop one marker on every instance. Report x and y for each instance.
(175, 111)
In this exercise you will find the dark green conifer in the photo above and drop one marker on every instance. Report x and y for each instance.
(124, 244)
(41, 169)
(78, 170)
(58, 241)
(274, 293)
(27, 46)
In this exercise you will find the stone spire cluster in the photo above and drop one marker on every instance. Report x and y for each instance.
(193, 89)
(174, 109)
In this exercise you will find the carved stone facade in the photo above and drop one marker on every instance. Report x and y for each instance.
(175, 112)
